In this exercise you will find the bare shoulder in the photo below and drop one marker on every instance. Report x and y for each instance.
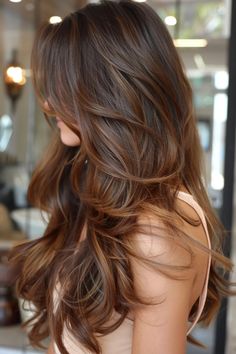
(186, 258)
(174, 284)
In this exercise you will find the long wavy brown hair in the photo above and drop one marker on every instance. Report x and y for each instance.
(111, 72)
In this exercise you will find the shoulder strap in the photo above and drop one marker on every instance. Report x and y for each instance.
(188, 198)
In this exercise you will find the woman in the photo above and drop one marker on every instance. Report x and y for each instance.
(131, 258)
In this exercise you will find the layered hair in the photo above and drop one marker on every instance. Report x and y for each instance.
(110, 71)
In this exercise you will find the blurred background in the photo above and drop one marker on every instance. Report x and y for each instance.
(205, 37)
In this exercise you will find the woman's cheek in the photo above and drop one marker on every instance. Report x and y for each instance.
(68, 137)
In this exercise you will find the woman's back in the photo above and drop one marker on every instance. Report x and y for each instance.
(120, 340)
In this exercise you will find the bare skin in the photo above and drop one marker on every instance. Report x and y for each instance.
(162, 328)
(50, 349)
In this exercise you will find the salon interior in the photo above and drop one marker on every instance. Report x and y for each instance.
(205, 37)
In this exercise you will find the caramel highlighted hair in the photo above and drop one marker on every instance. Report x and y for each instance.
(113, 75)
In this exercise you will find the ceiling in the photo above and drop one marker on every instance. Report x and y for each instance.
(33, 12)
(43, 9)
(36, 11)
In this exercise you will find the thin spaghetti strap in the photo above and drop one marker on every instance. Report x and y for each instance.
(188, 198)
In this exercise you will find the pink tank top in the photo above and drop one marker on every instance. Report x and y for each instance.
(120, 340)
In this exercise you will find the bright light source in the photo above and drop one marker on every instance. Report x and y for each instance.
(221, 80)
(218, 140)
(16, 75)
(55, 19)
(190, 43)
(170, 21)
(220, 108)
(15, 0)
(140, 0)
(217, 181)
